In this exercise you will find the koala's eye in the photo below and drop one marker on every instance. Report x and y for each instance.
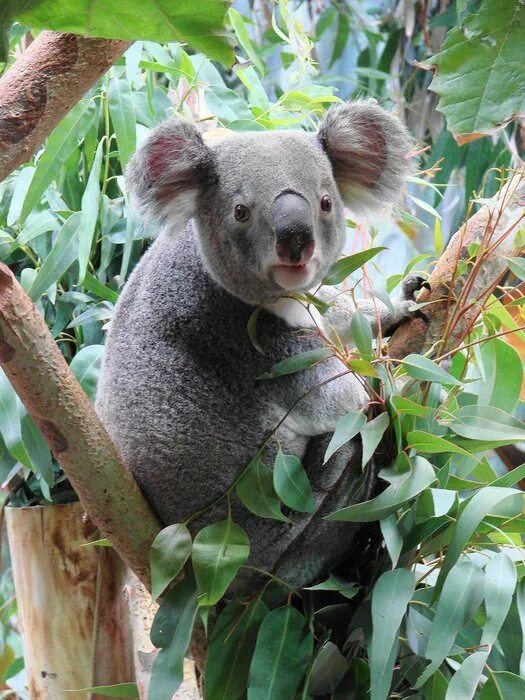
(242, 213)
(326, 203)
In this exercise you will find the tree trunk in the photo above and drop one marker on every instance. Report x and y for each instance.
(75, 627)
(43, 84)
(41, 377)
(85, 618)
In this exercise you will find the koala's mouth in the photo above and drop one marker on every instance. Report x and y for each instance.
(292, 277)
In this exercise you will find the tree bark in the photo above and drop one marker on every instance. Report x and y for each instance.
(41, 377)
(43, 84)
(450, 311)
(75, 624)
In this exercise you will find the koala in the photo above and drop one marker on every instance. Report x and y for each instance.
(244, 223)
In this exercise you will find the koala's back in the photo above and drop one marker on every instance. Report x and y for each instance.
(179, 395)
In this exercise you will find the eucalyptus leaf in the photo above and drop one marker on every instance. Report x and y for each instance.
(62, 256)
(297, 363)
(347, 427)
(59, 146)
(426, 370)
(231, 648)
(291, 483)
(169, 552)
(380, 507)
(371, 435)
(256, 490)
(390, 597)
(282, 653)
(218, 551)
(451, 611)
(345, 266)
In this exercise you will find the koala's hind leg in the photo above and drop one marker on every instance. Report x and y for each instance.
(319, 545)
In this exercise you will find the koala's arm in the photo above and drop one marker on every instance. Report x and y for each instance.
(343, 306)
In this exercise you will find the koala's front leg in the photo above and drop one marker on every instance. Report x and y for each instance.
(336, 393)
(339, 315)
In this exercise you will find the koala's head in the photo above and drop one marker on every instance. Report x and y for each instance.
(268, 207)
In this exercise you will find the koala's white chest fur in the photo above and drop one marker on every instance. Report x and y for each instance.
(295, 314)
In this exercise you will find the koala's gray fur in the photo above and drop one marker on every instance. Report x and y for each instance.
(179, 391)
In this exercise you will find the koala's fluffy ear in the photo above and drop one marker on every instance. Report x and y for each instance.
(168, 171)
(368, 149)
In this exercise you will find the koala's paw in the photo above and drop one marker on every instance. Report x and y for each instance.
(412, 284)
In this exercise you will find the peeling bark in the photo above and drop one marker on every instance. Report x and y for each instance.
(457, 297)
(41, 377)
(74, 622)
(43, 84)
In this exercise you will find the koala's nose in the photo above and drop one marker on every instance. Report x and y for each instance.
(293, 226)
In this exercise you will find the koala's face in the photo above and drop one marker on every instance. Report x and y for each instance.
(274, 220)
(268, 207)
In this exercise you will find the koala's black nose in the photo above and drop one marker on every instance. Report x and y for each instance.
(293, 226)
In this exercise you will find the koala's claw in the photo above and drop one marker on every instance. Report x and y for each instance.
(412, 284)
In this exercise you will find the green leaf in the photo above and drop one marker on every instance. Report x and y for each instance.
(426, 370)
(255, 489)
(171, 631)
(10, 426)
(395, 495)
(243, 36)
(488, 46)
(344, 267)
(251, 329)
(487, 423)
(390, 597)
(169, 552)
(86, 367)
(231, 649)
(517, 267)
(122, 112)
(291, 483)
(119, 690)
(392, 537)
(347, 427)
(477, 507)
(503, 372)
(343, 30)
(404, 405)
(500, 583)
(37, 449)
(453, 606)
(361, 331)
(218, 552)
(227, 105)
(503, 685)
(58, 148)
(297, 363)
(36, 225)
(371, 435)
(93, 285)
(62, 256)
(90, 206)
(433, 444)
(200, 25)
(282, 653)
(465, 681)
(327, 670)
(333, 583)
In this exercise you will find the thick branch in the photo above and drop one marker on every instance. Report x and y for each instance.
(42, 86)
(458, 291)
(41, 377)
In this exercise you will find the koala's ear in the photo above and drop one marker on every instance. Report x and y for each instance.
(168, 171)
(368, 150)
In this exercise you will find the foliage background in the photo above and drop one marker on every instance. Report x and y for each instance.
(67, 232)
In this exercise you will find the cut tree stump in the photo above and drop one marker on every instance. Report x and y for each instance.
(84, 617)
